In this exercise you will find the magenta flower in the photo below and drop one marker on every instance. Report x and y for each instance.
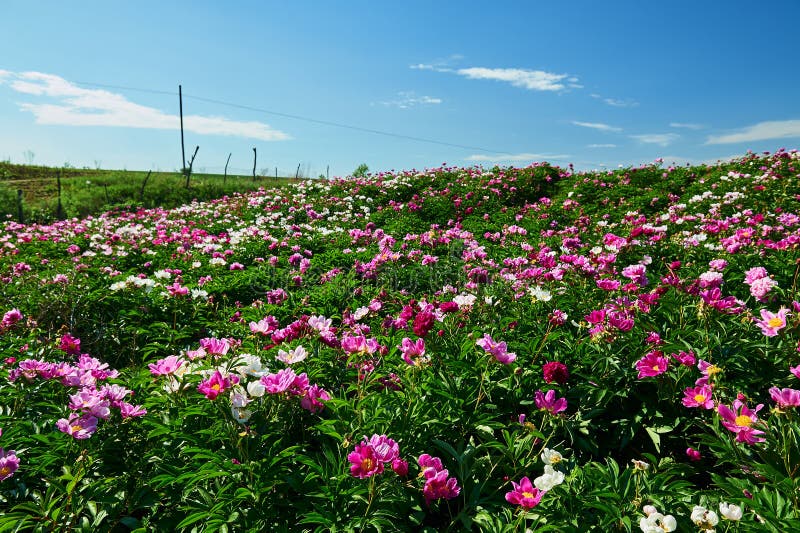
(413, 351)
(548, 402)
(215, 346)
(214, 385)
(555, 371)
(77, 426)
(400, 467)
(740, 420)
(693, 454)
(130, 411)
(699, 396)
(313, 399)
(166, 366)
(278, 382)
(364, 462)
(9, 463)
(423, 323)
(90, 401)
(685, 358)
(795, 370)
(440, 486)
(785, 397)
(10, 318)
(498, 349)
(386, 449)
(771, 323)
(524, 494)
(652, 364)
(70, 344)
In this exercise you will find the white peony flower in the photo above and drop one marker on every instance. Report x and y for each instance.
(549, 479)
(730, 511)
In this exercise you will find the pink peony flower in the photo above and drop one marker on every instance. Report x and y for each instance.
(400, 467)
(785, 397)
(9, 463)
(771, 323)
(364, 462)
(524, 494)
(313, 399)
(438, 484)
(548, 402)
(413, 351)
(77, 426)
(795, 370)
(130, 411)
(70, 344)
(498, 349)
(652, 364)
(166, 366)
(278, 382)
(214, 385)
(740, 420)
(699, 396)
(754, 274)
(685, 358)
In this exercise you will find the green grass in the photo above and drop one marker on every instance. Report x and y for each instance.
(87, 192)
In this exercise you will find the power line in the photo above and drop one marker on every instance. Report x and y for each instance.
(305, 119)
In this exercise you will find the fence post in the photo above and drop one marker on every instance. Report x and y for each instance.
(20, 215)
(141, 192)
(60, 209)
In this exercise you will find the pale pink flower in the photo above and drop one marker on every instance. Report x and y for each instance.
(771, 323)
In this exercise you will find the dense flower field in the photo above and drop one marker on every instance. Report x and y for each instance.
(453, 349)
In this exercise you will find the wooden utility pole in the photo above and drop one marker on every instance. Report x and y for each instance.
(297, 174)
(255, 155)
(183, 150)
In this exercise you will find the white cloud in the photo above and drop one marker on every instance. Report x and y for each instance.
(686, 125)
(407, 99)
(534, 80)
(661, 139)
(76, 106)
(596, 126)
(615, 102)
(606, 145)
(517, 157)
(774, 129)
(4, 74)
(423, 66)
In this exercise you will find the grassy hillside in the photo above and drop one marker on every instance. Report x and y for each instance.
(91, 191)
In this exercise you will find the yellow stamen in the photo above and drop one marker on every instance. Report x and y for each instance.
(713, 369)
(6, 470)
(655, 367)
(527, 495)
(77, 428)
(699, 398)
(743, 421)
(776, 322)
(366, 464)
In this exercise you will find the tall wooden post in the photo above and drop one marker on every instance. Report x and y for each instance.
(183, 150)
(255, 154)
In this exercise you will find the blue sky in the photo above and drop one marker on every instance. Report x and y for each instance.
(593, 83)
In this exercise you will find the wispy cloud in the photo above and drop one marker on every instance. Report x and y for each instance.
(76, 106)
(532, 80)
(661, 139)
(518, 157)
(686, 125)
(408, 99)
(596, 126)
(605, 145)
(616, 102)
(774, 129)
